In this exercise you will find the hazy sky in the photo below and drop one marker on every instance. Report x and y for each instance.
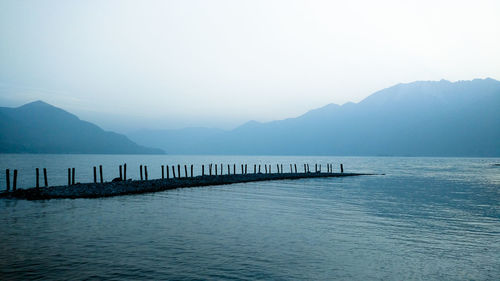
(171, 64)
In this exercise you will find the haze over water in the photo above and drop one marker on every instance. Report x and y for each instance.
(280, 77)
(426, 219)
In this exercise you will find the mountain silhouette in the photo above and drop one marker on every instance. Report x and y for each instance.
(39, 127)
(424, 118)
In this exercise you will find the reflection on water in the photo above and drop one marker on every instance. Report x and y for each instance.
(427, 218)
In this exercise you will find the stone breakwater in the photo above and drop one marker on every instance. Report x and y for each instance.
(106, 189)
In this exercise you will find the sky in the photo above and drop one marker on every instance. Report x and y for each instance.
(171, 64)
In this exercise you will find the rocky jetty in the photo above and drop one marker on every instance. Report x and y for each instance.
(96, 190)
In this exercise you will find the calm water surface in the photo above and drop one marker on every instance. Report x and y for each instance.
(426, 219)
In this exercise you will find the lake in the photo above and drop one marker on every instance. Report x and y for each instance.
(425, 219)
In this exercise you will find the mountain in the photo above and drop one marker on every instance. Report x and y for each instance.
(424, 118)
(39, 127)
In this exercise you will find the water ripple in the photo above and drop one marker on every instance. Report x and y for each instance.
(427, 219)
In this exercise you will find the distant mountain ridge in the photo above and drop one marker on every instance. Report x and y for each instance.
(424, 118)
(39, 127)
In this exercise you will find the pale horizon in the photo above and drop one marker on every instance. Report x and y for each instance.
(110, 122)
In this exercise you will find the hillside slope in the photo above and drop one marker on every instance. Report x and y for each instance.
(425, 118)
(39, 127)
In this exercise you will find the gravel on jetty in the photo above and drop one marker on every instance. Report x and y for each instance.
(96, 190)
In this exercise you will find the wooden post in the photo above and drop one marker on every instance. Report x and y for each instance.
(245, 169)
(37, 178)
(242, 171)
(259, 168)
(125, 171)
(73, 176)
(270, 169)
(291, 170)
(308, 170)
(295, 167)
(215, 169)
(14, 182)
(254, 168)
(168, 171)
(7, 178)
(100, 173)
(140, 169)
(45, 177)
(202, 170)
(95, 174)
(69, 176)
(186, 171)
(305, 168)
(162, 172)
(178, 171)
(191, 170)
(228, 169)
(146, 172)
(173, 171)
(315, 168)
(278, 168)
(320, 168)
(265, 166)
(221, 167)
(121, 173)
(234, 169)
(341, 168)
(209, 169)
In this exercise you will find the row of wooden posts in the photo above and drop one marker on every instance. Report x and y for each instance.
(144, 176)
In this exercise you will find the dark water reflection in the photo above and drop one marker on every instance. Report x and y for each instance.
(426, 219)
